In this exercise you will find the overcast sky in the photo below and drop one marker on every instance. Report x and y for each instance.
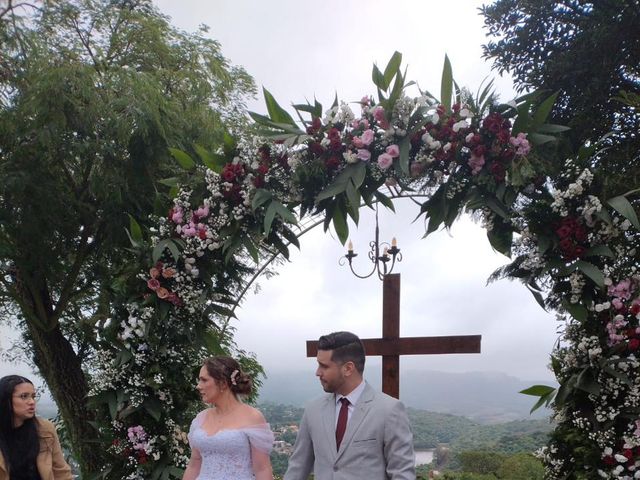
(300, 49)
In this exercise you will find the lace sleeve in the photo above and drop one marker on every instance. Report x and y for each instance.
(196, 423)
(260, 437)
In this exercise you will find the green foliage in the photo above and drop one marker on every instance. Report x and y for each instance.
(92, 94)
(586, 51)
(521, 466)
(483, 462)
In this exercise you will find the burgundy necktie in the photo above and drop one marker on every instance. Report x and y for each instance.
(343, 416)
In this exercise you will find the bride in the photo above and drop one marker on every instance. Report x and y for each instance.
(230, 441)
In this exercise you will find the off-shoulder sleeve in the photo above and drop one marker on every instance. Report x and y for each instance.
(260, 437)
(196, 423)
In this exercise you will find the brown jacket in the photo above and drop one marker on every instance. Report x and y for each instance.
(50, 461)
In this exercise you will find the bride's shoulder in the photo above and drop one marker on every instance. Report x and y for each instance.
(253, 415)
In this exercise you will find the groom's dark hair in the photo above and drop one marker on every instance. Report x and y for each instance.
(345, 347)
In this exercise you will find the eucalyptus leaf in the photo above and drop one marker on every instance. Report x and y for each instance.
(340, 223)
(624, 208)
(591, 271)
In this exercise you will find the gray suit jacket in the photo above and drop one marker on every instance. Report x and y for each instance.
(377, 445)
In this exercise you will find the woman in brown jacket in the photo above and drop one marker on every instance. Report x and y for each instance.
(29, 446)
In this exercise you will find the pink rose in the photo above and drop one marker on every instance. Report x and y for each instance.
(154, 272)
(378, 114)
(367, 137)
(153, 284)
(357, 142)
(364, 155)
(385, 161)
(476, 163)
(168, 272)
(393, 150)
(162, 292)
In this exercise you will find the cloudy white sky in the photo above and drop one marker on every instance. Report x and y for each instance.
(301, 49)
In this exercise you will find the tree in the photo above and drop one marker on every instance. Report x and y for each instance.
(482, 462)
(92, 94)
(521, 466)
(589, 51)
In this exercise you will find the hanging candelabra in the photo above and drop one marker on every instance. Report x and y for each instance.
(383, 263)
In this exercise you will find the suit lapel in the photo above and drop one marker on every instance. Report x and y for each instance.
(329, 421)
(360, 411)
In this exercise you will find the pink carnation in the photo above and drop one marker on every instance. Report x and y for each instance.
(476, 163)
(202, 211)
(177, 215)
(385, 161)
(393, 150)
(521, 143)
(622, 289)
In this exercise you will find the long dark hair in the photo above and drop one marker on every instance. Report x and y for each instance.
(8, 385)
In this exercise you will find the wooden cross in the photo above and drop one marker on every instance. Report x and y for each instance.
(391, 345)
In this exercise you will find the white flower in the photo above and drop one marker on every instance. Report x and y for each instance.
(435, 118)
(458, 125)
(466, 113)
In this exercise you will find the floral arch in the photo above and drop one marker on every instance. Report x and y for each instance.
(572, 242)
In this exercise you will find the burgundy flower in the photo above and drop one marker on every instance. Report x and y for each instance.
(579, 251)
(609, 460)
(480, 150)
(563, 231)
(258, 182)
(228, 173)
(634, 343)
(498, 171)
(316, 149)
(314, 127)
(265, 153)
(332, 162)
(153, 284)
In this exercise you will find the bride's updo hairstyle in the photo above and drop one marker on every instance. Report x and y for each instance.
(225, 370)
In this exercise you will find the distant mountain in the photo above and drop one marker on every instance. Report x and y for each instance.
(485, 397)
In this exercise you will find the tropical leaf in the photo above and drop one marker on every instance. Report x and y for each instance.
(446, 85)
(392, 68)
(624, 208)
(276, 112)
(591, 271)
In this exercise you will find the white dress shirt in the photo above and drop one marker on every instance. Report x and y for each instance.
(353, 398)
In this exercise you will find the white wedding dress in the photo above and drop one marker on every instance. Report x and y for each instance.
(226, 455)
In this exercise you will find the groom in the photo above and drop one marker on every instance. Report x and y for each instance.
(354, 432)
